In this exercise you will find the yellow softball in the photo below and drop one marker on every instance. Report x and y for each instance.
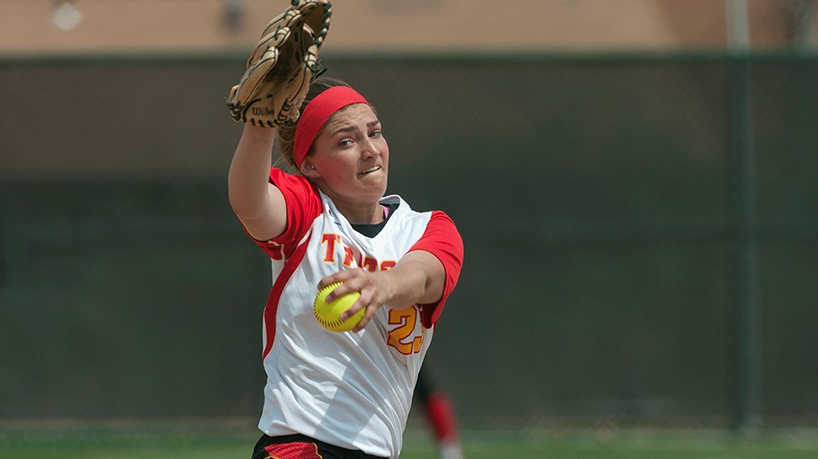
(328, 314)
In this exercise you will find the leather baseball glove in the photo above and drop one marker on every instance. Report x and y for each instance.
(281, 66)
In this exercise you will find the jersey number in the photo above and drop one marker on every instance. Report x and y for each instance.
(407, 319)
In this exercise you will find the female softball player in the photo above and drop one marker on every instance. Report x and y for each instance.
(328, 394)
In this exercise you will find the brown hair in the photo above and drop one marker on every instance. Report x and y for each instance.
(285, 133)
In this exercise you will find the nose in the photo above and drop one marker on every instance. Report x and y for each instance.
(369, 149)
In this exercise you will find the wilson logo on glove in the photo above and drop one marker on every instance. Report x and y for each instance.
(262, 111)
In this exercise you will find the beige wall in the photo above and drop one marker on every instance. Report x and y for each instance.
(26, 26)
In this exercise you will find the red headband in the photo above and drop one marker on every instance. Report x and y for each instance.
(316, 113)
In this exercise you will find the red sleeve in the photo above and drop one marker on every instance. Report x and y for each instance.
(303, 207)
(442, 240)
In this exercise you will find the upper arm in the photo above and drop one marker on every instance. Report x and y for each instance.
(287, 209)
(272, 220)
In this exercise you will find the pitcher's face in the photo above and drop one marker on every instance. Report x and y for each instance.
(351, 156)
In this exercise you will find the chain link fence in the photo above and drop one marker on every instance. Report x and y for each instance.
(595, 195)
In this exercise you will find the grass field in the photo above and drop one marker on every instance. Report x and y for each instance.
(473, 451)
(477, 445)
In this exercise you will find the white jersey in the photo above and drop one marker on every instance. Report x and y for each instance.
(350, 390)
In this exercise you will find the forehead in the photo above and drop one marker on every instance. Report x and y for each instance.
(357, 113)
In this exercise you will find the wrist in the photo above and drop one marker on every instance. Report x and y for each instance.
(390, 287)
(260, 132)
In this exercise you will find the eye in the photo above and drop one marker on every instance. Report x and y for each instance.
(345, 142)
(376, 133)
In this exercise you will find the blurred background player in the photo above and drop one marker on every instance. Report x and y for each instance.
(439, 415)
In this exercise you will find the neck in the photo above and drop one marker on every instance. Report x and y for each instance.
(358, 213)
(369, 214)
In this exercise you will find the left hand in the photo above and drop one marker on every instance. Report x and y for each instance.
(281, 66)
(374, 287)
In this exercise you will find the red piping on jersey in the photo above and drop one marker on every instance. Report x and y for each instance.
(271, 310)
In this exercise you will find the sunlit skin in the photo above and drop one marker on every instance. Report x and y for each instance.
(350, 163)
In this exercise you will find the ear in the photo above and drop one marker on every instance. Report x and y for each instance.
(308, 168)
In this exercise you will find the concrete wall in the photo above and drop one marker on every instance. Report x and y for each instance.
(28, 26)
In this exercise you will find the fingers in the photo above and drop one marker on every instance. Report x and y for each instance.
(369, 302)
(285, 19)
(268, 39)
(370, 285)
(368, 315)
(278, 30)
(317, 17)
(311, 59)
(268, 42)
(254, 76)
(344, 277)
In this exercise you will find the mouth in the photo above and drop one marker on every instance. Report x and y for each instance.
(370, 170)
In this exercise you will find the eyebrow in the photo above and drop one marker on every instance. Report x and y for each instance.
(352, 128)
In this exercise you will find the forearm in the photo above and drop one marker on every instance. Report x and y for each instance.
(417, 279)
(248, 179)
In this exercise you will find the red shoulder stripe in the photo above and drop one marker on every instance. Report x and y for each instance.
(442, 240)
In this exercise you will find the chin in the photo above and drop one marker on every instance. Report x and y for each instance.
(375, 194)
(377, 186)
(382, 190)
